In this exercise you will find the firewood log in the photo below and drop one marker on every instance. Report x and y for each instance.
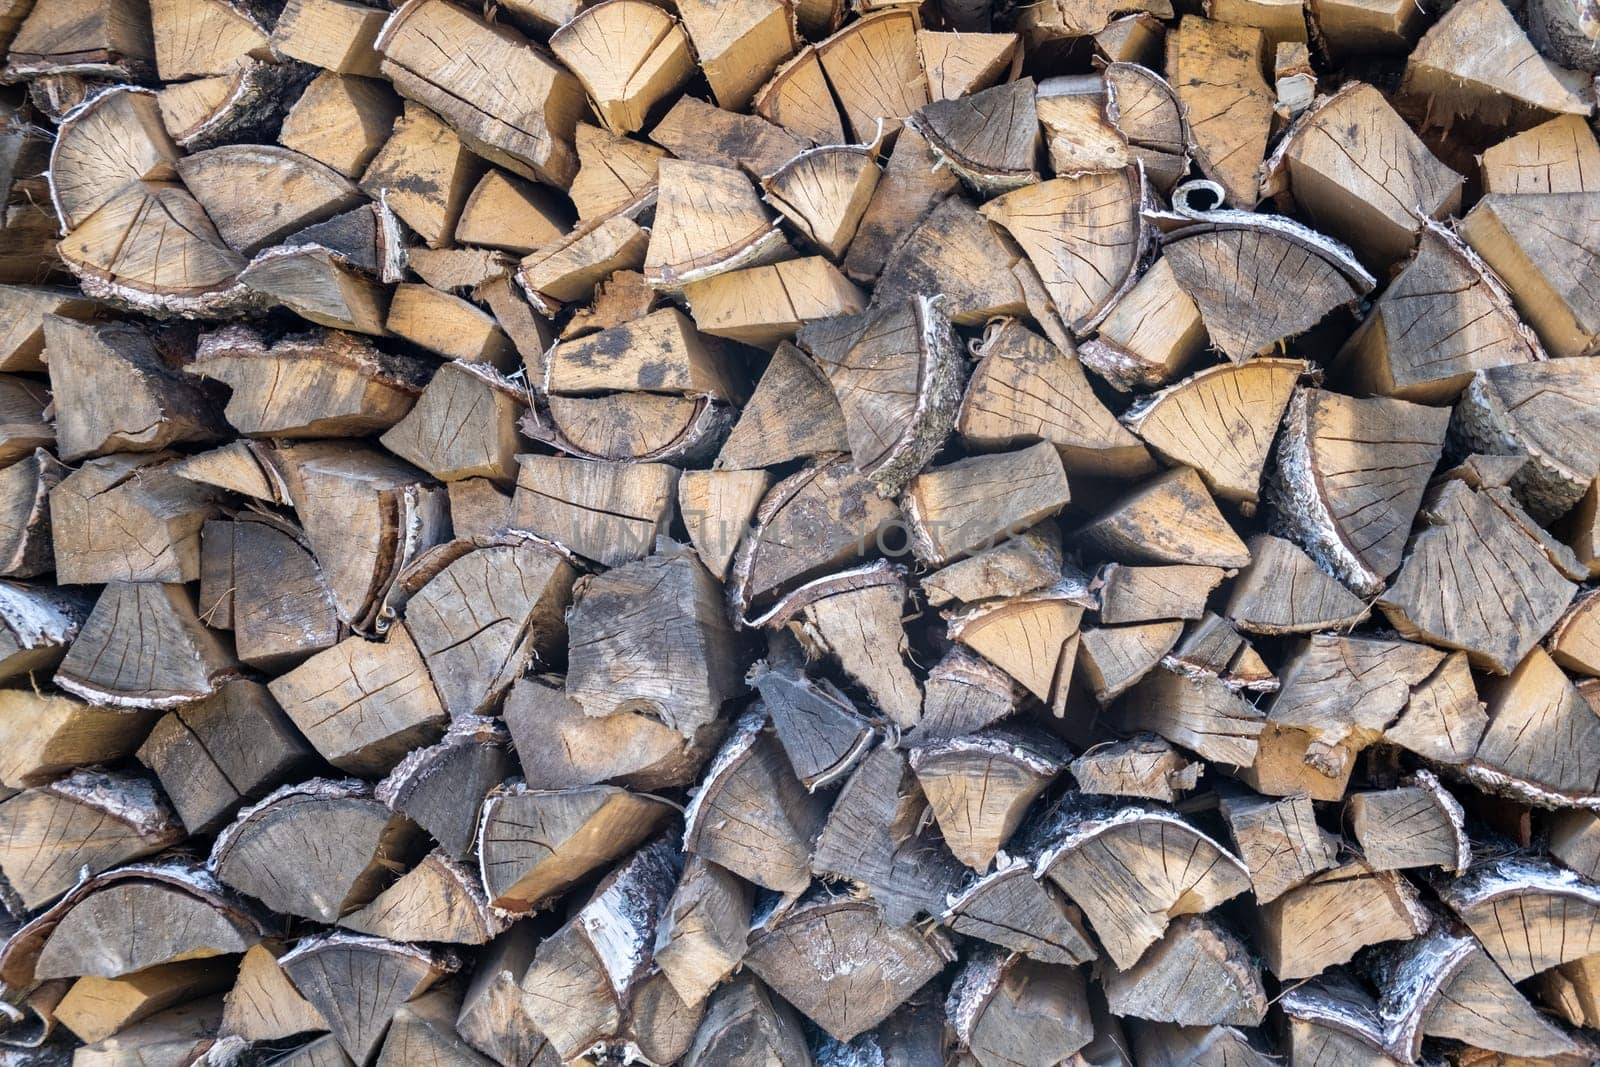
(353, 501)
(1023, 563)
(95, 1009)
(960, 63)
(43, 735)
(38, 625)
(765, 305)
(824, 192)
(578, 988)
(320, 384)
(792, 413)
(1518, 408)
(305, 820)
(1351, 476)
(1326, 920)
(275, 598)
(702, 935)
(910, 188)
(341, 121)
(1283, 591)
(90, 819)
(336, 972)
(1105, 858)
(568, 269)
(85, 176)
(364, 704)
(438, 900)
(1334, 1018)
(1529, 915)
(138, 495)
(717, 507)
(738, 54)
(1559, 156)
(1536, 708)
(1129, 593)
(1216, 70)
(423, 1031)
(320, 286)
(874, 70)
(1142, 766)
(874, 838)
(843, 964)
(561, 747)
(951, 515)
(1050, 220)
(144, 646)
(820, 729)
(1135, 528)
(1574, 641)
(1012, 908)
(745, 1025)
(696, 132)
(1419, 825)
(1033, 638)
(979, 787)
(1024, 388)
(1078, 132)
(616, 177)
(1483, 526)
(1201, 713)
(215, 754)
(1220, 422)
(990, 139)
(263, 1004)
(26, 308)
(535, 844)
(1328, 169)
(1149, 334)
(608, 512)
(1009, 1009)
(1279, 841)
(957, 254)
(492, 1019)
(99, 36)
(1168, 1045)
(1221, 265)
(629, 57)
(300, 190)
(1510, 81)
(441, 787)
(1199, 974)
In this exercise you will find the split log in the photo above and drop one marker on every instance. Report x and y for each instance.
(1224, 264)
(717, 507)
(824, 192)
(134, 496)
(1559, 156)
(143, 646)
(1139, 527)
(423, 173)
(750, 813)
(1053, 221)
(1527, 240)
(744, 1025)
(1033, 638)
(1199, 974)
(1133, 869)
(958, 254)
(616, 175)
(112, 140)
(464, 425)
(738, 54)
(1014, 1010)
(492, 1019)
(1011, 908)
(1079, 135)
(980, 787)
(1129, 593)
(215, 754)
(990, 139)
(1279, 841)
(438, 900)
(1478, 528)
(609, 512)
(300, 190)
(709, 219)
(820, 729)
(320, 286)
(1351, 476)
(1216, 70)
(568, 269)
(1574, 641)
(341, 122)
(423, 1031)
(1220, 422)
(1538, 410)
(38, 625)
(1142, 766)
(629, 55)
(1329, 171)
(26, 548)
(792, 413)
(703, 934)
(534, 845)
(1336, 1019)
(115, 392)
(1326, 920)
(336, 35)
(281, 609)
(511, 215)
(1023, 563)
(960, 63)
(347, 848)
(582, 979)
(696, 132)
(23, 426)
(26, 308)
(364, 704)
(1345, 691)
(562, 747)
(1149, 334)
(44, 735)
(1201, 714)
(911, 186)
(1167, 1045)
(843, 965)
(321, 384)
(448, 326)
(763, 306)
(963, 694)
(354, 502)
(1024, 388)
(263, 1004)
(951, 510)
(359, 983)
(1419, 825)
(95, 1009)
(1509, 82)
(533, 136)
(1539, 736)
(874, 70)
(1212, 648)
(90, 819)
(441, 788)
(874, 838)
(1283, 591)
(1444, 317)
(1529, 915)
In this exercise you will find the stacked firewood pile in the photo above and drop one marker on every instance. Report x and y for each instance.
(776, 532)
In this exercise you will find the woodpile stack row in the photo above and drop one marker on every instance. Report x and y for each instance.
(769, 533)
